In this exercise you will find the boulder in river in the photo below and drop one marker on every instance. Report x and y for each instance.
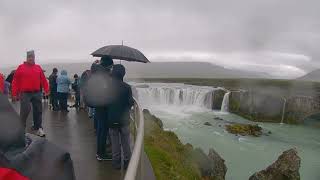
(244, 129)
(218, 118)
(207, 124)
(285, 168)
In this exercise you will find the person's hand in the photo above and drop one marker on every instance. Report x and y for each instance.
(15, 98)
(47, 93)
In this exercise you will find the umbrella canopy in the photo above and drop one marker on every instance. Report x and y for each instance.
(121, 52)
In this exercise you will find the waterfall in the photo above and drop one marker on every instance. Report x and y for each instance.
(176, 95)
(225, 102)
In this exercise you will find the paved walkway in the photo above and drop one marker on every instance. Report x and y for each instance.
(74, 132)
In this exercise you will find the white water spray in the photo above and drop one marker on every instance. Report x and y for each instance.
(176, 95)
(225, 102)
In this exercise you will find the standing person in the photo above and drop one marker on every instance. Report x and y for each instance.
(9, 80)
(83, 79)
(118, 116)
(76, 89)
(27, 85)
(10, 76)
(53, 89)
(2, 84)
(63, 84)
(97, 97)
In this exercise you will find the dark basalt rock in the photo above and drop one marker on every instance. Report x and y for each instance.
(285, 168)
(211, 166)
(218, 118)
(207, 124)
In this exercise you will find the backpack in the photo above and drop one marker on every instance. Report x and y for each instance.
(96, 89)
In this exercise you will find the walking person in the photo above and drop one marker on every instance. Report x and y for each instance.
(63, 84)
(53, 89)
(76, 89)
(118, 118)
(27, 85)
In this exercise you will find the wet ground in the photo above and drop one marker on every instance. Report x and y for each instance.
(74, 132)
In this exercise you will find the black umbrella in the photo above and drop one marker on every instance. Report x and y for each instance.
(121, 52)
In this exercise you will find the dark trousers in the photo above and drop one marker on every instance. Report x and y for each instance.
(63, 101)
(120, 137)
(102, 130)
(35, 99)
(54, 99)
(77, 103)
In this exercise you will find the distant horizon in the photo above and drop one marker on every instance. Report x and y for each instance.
(11, 67)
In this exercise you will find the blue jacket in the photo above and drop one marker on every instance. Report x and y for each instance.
(63, 82)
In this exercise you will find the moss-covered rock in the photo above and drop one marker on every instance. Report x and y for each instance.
(244, 129)
(173, 160)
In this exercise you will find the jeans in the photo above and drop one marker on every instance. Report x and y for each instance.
(123, 134)
(54, 100)
(63, 101)
(36, 100)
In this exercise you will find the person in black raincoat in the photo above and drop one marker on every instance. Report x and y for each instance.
(119, 117)
(53, 89)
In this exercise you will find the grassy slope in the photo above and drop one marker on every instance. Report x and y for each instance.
(169, 157)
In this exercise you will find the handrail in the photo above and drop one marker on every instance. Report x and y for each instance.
(136, 158)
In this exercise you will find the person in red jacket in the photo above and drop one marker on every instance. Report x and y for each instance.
(27, 85)
(1, 83)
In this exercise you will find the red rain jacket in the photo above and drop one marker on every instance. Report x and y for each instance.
(9, 174)
(29, 78)
(1, 83)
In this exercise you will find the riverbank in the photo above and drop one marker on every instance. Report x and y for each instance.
(173, 160)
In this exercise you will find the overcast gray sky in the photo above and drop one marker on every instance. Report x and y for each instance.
(280, 37)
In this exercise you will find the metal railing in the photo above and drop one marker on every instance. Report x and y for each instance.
(136, 169)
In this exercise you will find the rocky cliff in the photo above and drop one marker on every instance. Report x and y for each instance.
(285, 168)
(173, 160)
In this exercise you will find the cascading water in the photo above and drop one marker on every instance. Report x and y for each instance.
(176, 95)
(225, 102)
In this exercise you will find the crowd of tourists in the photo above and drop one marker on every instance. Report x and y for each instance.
(29, 85)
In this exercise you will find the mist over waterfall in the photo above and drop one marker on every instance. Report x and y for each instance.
(225, 102)
(179, 95)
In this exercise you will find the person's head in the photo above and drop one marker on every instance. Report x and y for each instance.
(55, 70)
(76, 76)
(118, 71)
(64, 73)
(106, 62)
(31, 57)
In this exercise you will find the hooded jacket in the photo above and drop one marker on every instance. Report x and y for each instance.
(53, 82)
(29, 78)
(63, 82)
(2, 88)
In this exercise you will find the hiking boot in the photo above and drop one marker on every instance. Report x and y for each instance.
(106, 157)
(40, 132)
(125, 164)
